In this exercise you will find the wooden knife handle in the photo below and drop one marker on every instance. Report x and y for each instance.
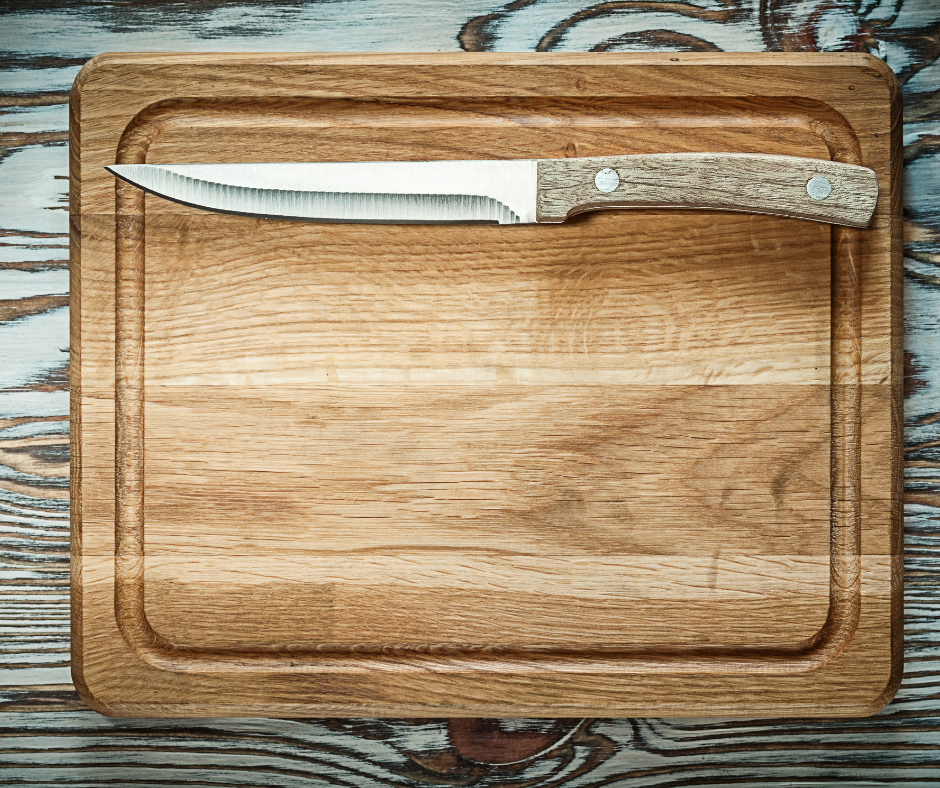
(817, 189)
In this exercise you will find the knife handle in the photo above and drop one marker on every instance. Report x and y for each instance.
(816, 189)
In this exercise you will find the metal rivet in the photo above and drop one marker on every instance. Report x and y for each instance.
(819, 188)
(607, 180)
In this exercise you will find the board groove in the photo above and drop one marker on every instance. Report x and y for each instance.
(845, 583)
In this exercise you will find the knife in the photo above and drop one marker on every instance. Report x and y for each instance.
(517, 191)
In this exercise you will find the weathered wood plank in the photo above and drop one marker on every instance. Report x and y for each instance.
(46, 43)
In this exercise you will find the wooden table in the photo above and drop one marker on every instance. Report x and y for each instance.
(50, 738)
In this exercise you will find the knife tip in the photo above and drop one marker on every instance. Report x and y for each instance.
(125, 172)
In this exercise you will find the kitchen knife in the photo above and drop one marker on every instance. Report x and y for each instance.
(517, 191)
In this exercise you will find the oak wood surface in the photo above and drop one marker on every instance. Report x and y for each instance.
(46, 43)
(506, 384)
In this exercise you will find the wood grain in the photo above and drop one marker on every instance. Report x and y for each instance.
(82, 747)
(751, 182)
(470, 406)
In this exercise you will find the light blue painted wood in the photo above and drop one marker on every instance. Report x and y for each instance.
(24, 358)
(32, 198)
(346, 26)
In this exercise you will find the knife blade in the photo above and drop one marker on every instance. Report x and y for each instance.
(521, 191)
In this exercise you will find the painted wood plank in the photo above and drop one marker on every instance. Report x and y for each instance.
(43, 46)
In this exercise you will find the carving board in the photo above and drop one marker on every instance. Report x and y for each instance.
(641, 463)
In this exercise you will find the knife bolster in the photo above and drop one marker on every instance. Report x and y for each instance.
(747, 182)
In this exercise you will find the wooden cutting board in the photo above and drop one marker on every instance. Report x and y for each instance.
(640, 463)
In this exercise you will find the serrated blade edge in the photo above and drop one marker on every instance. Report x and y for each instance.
(498, 192)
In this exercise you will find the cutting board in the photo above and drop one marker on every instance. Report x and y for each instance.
(642, 463)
